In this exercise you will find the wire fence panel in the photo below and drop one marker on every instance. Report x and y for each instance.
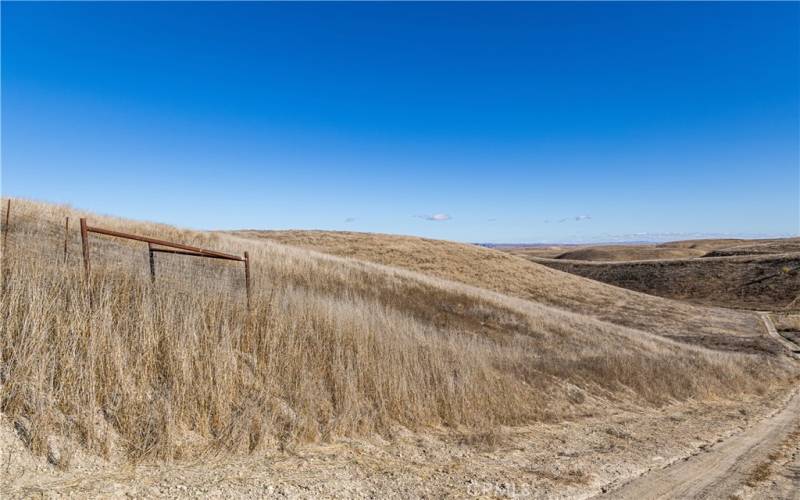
(51, 240)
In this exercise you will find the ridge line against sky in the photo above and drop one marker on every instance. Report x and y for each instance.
(503, 123)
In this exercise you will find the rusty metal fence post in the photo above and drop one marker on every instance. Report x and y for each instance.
(5, 226)
(155, 245)
(247, 277)
(152, 263)
(85, 244)
(66, 238)
(4, 251)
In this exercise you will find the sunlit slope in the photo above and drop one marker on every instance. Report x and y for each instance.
(518, 277)
(656, 251)
(329, 347)
(628, 252)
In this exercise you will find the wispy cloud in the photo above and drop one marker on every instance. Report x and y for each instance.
(350, 219)
(577, 218)
(434, 217)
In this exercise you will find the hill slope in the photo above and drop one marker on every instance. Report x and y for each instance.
(170, 369)
(656, 251)
(628, 252)
(518, 277)
(769, 282)
(758, 247)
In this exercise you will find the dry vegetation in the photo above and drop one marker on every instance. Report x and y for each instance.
(624, 252)
(787, 321)
(747, 274)
(788, 326)
(767, 282)
(332, 346)
(611, 253)
(758, 247)
(518, 277)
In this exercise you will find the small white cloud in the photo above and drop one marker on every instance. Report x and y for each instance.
(576, 218)
(435, 217)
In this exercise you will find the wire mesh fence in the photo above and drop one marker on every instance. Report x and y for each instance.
(55, 240)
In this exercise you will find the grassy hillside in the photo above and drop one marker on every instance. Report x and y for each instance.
(623, 251)
(769, 282)
(658, 251)
(518, 277)
(331, 346)
(771, 247)
(629, 252)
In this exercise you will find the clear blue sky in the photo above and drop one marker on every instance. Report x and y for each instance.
(517, 122)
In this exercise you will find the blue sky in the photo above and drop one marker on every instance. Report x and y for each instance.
(514, 122)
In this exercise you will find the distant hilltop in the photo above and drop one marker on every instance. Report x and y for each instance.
(544, 245)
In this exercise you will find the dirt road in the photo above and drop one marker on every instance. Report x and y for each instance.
(791, 348)
(720, 470)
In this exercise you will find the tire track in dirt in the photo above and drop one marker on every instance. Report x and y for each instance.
(718, 471)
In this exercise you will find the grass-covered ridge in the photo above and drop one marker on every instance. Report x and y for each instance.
(331, 347)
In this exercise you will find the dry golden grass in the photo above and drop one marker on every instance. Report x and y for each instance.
(518, 277)
(331, 347)
(608, 253)
(657, 251)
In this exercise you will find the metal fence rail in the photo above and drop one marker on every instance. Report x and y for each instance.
(154, 246)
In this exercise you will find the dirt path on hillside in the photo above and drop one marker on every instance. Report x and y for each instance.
(791, 347)
(720, 470)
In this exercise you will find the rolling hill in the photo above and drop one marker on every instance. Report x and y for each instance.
(517, 277)
(744, 274)
(760, 281)
(684, 249)
(390, 335)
